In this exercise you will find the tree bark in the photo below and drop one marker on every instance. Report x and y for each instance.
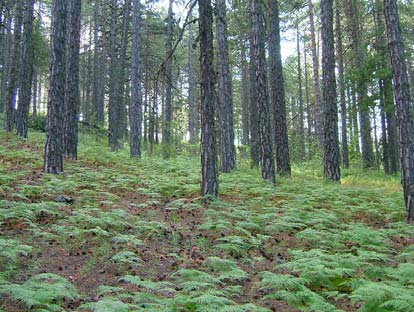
(135, 111)
(259, 60)
(278, 93)
(301, 129)
(193, 118)
(72, 93)
(403, 104)
(225, 96)
(14, 65)
(26, 71)
(331, 143)
(245, 96)
(209, 174)
(316, 87)
(254, 116)
(341, 86)
(54, 149)
(168, 118)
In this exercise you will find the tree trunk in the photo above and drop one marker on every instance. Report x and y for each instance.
(308, 107)
(225, 96)
(209, 174)
(259, 60)
(35, 90)
(168, 112)
(254, 116)
(135, 110)
(403, 104)
(301, 129)
(99, 72)
(54, 149)
(14, 63)
(244, 96)
(193, 113)
(341, 86)
(26, 71)
(72, 93)
(278, 93)
(87, 104)
(331, 143)
(316, 87)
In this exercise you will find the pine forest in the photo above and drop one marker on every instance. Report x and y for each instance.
(207, 155)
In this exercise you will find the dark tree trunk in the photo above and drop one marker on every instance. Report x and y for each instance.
(54, 149)
(308, 107)
(259, 60)
(209, 174)
(135, 111)
(384, 140)
(245, 96)
(254, 116)
(87, 104)
(72, 93)
(99, 72)
(341, 86)
(331, 143)
(403, 104)
(193, 118)
(35, 90)
(5, 42)
(225, 96)
(301, 129)
(316, 88)
(278, 93)
(26, 71)
(14, 65)
(168, 112)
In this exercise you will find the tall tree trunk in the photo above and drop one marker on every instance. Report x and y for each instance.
(331, 143)
(14, 63)
(72, 93)
(301, 129)
(209, 174)
(5, 60)
(114, 81)
(168, 118)
(258, 31)
(87, 104)
(308, 107)
(98, 72)
(403, 104)
(245, 96)
(316, 87)
(26, 71)
(192, 104)
(54, 151)
(35, 89)
(341, 86)
(254, 116)
(278, 93)
(225, 96)
(135, 111)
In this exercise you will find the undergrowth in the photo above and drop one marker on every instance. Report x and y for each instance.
(135, 236)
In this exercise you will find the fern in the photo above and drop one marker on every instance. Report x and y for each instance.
(126, 257)
(43, 290)
(227, 269)
(108, 304)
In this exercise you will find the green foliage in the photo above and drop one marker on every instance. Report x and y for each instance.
(37, 123)
(44, 291)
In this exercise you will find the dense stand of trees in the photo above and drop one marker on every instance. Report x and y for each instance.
(144, 75)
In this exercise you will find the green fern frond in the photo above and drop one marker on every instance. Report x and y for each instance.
(108, 304)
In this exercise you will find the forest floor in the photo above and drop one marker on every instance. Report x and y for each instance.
(114, 234)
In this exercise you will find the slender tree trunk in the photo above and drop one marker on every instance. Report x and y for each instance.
(341, 86)
(301, 129)
(168, 118)
(403, 104)
(254, 116)
(35, 90)
(258, 31)
(13, 81)
(209, 174)
(245, 97)
(87, 104)
(54, 151)
(278, 93)
(225, 96)
(192, 104)
(331, 143)
(135, 111)
(308, 107)
(316, 87)
(26, 71)
(5, 60)
(384, 140)
(72, 93)
(98, 71)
